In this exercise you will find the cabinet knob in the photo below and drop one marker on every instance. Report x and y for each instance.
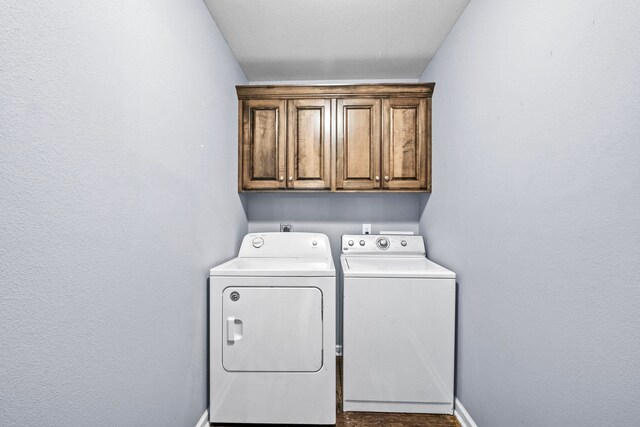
(290, 178)
(281, 178)
(386, 178)
(377, 178)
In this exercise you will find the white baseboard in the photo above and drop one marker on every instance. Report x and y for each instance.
(204, 419)
(463, 416)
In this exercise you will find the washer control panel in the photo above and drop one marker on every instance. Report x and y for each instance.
(369, 244)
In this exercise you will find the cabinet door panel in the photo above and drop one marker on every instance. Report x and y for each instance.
(263, 144)
(404, 151)
(309, 144)
(358, 144)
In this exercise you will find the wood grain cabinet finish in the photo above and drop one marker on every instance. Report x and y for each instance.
(309, 144)
(358, 144)
(335, 137)
(404, 149)
(263, 144)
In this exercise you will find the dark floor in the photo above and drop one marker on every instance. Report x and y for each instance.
(378, 419)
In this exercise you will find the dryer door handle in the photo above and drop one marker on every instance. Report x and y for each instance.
(234, 329)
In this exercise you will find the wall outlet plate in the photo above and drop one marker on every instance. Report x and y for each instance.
(285, 228)
(366, 228)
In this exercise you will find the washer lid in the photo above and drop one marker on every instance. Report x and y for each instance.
(373, 266)
(276, 267)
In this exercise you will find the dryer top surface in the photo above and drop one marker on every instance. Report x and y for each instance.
(275, 267)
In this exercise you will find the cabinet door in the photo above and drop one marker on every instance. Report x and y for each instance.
(405, 157)
(263, 144)
(309, 144)
(358, 144)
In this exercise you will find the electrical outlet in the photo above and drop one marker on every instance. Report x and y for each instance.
(366, 228)
(285, 228)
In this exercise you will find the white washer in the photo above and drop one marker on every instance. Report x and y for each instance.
(272, 332)
(399, 326)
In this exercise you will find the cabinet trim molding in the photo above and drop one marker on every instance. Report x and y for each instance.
(335, 91)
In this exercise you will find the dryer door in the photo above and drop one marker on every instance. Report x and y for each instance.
(272, 329)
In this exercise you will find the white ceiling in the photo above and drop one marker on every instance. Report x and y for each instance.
(334, 39)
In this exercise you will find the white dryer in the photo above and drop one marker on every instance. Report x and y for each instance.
(272, 332)
(399, 326)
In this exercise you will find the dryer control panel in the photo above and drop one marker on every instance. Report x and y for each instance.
(285, 245)
(382, 244)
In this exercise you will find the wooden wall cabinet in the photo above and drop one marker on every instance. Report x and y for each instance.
(359, 140)
(405, 155)
(335, 138)
(262, 144)
(309, 144)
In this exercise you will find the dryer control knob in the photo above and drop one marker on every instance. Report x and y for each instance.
(361, 242)
(350, 242)
(257, 242)
(314, 243)
(403, 243)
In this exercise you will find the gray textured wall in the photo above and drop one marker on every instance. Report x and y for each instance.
(333, 214)
(536, 206)
(117, 193)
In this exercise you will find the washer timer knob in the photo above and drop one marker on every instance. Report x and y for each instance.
(350, 242)
(403, 243)
(257, 242)
(361, 242)
(382, 243)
